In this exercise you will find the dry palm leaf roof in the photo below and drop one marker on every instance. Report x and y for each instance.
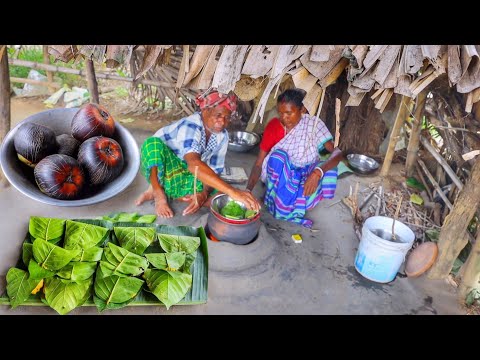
(254, 71)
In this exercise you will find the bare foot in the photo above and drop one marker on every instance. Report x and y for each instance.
(147, 195)
(161, 205)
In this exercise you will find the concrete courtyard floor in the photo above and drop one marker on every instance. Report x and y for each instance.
(272, 275)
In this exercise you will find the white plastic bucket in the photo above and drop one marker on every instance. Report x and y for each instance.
(378, 259)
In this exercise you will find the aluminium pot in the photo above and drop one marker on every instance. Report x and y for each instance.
(238, 232)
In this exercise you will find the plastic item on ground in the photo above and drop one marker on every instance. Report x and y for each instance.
(297, 238)
(421, 259)
(378, 257)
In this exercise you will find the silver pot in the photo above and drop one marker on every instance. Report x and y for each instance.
(239, 232)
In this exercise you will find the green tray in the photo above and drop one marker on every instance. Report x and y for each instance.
(197, 294)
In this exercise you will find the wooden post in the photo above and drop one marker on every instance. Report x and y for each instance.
(4, 93)
(403, 108)
(413, 144)
(46, 60)
(92, 82)
(4, 101)
(454, 236)
(471, 271)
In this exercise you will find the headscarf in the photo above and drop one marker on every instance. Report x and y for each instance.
(212, 98)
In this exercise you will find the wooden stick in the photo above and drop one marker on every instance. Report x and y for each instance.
(442, 162)
(399, 205)
(92, 82)
(34, 82)
(435, 184)
(403, 107)
(337, 122)
(4, 93)
(413, 144)
(46, 60)
(424, 182)
(195, 186)
(54, 68)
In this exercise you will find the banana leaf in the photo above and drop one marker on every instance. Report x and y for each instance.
(198, 292)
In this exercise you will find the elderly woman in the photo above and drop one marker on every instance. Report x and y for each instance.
(289, 162)
(190, 148)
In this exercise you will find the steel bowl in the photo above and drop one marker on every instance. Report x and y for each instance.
(242, 141)
(362, 164)
(240, 231)
(59, 120)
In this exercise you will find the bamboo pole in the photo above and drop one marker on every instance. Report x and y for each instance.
(403, 107)
(34, 82)
(442, 162)
(54, 68)
(413, 144)
(92, 82)
(46, 60)
(4, 93)
(435, 184)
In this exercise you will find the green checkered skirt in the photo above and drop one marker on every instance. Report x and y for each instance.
(172, 172)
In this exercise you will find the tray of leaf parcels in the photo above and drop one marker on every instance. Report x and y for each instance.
(114, 261)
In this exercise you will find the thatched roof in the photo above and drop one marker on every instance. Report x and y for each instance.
(254, 71)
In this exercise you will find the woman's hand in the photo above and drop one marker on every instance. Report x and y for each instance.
(247, 198)
(196, 202)
(311, 183)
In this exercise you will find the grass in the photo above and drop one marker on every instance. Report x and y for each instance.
(35, 53)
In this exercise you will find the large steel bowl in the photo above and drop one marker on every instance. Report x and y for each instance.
(242, 141)
(362, 164)
(59, 120)
(239, 232)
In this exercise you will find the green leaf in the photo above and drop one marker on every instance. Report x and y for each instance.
(127, 217)
(37, 272)
(77, 271)
(135, 239)
(19, 286)
(189, 259)
(157, 260)
(90, 254)
(146, 219)
(46, 228)
(166, 261)
(473, 295)
(168, 286)
(116, 289)
(52, 257)
(414, 183)
(64, 296)
(83, 236)
(416, 199)
(102, 305)
(175, 260)
(124, 261)
(433, 234)
(27, 252)
(175, 243)
(250, 214)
